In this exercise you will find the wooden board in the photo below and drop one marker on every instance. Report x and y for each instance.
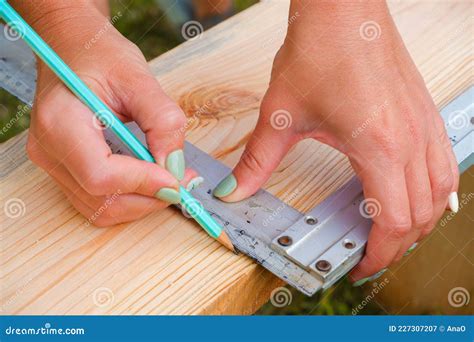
(51, 263)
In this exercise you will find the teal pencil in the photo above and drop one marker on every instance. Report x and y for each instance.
(104, 114)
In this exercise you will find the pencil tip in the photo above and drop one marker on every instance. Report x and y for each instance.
(224, 239)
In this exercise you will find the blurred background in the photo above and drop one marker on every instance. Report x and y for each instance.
(436, 278)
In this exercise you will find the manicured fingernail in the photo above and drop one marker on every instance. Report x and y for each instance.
(194, 183)
(169, 195)
(226, 186)
(453, 202)
(360, 282)
(175, 164)
(410, 249)
(378, 274)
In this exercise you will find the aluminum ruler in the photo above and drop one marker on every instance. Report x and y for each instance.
(310, 251)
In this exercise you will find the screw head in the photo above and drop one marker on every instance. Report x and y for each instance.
(349, 244)
(311, 220)
(285, 240)
(323, 265)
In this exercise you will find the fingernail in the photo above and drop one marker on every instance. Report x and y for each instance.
(360, 282)
(226, 186)
(175, 164)
(378, 274)
(453, 202)
(194, 183)
(169, 195)
(410, 249)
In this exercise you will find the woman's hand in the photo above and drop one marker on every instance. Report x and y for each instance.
(68, 142)
(364, 97)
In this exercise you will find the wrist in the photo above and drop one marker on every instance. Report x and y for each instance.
(60, 21)
(337, 34)
(336, 22)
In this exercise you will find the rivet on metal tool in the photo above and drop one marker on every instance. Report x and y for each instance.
(323, 265)
(311, 220)
(285, 240)
(349, 244)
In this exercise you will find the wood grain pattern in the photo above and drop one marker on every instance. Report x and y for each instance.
(51, 262)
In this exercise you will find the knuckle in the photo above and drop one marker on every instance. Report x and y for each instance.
(172, 119)
(252, 162)
(426, 231)
(398, 227)
(444, 183)
(144, 183)
(423, 215)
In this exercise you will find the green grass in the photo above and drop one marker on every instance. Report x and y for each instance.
(13, 117)
(341, 299)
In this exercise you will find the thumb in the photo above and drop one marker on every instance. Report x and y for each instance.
(159, 117)
(267, 146)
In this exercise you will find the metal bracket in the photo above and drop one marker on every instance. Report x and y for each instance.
(310, 252)
(331, 238)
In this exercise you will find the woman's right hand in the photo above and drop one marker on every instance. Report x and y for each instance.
(367, 99)
(68, 142)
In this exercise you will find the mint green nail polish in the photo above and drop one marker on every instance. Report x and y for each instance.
(194, 183)
(226, 186)
(360, 282)
(410, 249)
(371, 278)
(378, 274)
(175, 164)
(169, 195)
